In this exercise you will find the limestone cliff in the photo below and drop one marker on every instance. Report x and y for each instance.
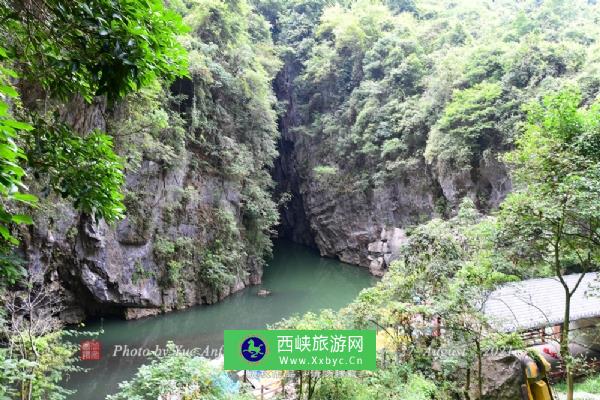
(116, 269)
(161, 257)
(196, 154)
(353, 225)
(363, 223)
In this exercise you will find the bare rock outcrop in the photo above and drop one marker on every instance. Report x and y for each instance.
(384, 251)
(503, 375)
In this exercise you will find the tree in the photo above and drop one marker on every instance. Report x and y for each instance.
(66, 50)
(12, 187)
(469, 122)
(35, 354)
(446, 270)
(93, 47)
(58, 54)
(551, 222)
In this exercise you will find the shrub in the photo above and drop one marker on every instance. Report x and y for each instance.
(179, 376)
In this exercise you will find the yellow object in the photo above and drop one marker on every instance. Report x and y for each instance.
(529, 395)
(536, 380)
(532, 371)
(547, 366)
(540, 390)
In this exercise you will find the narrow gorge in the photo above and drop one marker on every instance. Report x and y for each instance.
(364, 146)
(172, 170)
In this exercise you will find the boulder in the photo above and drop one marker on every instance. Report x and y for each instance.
(503, 376)
(377, 266)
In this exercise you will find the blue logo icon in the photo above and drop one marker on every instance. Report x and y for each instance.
(253, 349)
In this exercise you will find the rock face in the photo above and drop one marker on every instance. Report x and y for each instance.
(286, 173)
(502, 378)
(354, 225)
(385, 250)
(116, 269)
(150, 262)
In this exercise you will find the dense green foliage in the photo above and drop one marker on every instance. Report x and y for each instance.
(381, 385)
(68, 50)
(380, 91)
(443, 264)
(64, 55)
(41, 374)
(82, 169)
(234, 120)
(84, 49)
(557, 175)
(97, 47)
(12, 187)
(34, 362)
(548, 226)
(174, 374)
(381, 94)
(218, 126)
(551, 221)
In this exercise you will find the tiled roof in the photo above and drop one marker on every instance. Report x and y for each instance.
(536, 303)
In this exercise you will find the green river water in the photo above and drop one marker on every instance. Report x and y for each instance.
(300, 281)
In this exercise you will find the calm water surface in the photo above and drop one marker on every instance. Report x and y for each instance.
(300, 280)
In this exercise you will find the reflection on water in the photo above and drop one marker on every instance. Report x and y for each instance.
(299, 279)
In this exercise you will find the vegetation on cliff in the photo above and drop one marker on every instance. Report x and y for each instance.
(58, 51)
(53, 53)
(100, 97)
(381, 95)
(91, 94)
(548, 226)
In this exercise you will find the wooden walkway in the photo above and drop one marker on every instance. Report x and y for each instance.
(269, 388)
